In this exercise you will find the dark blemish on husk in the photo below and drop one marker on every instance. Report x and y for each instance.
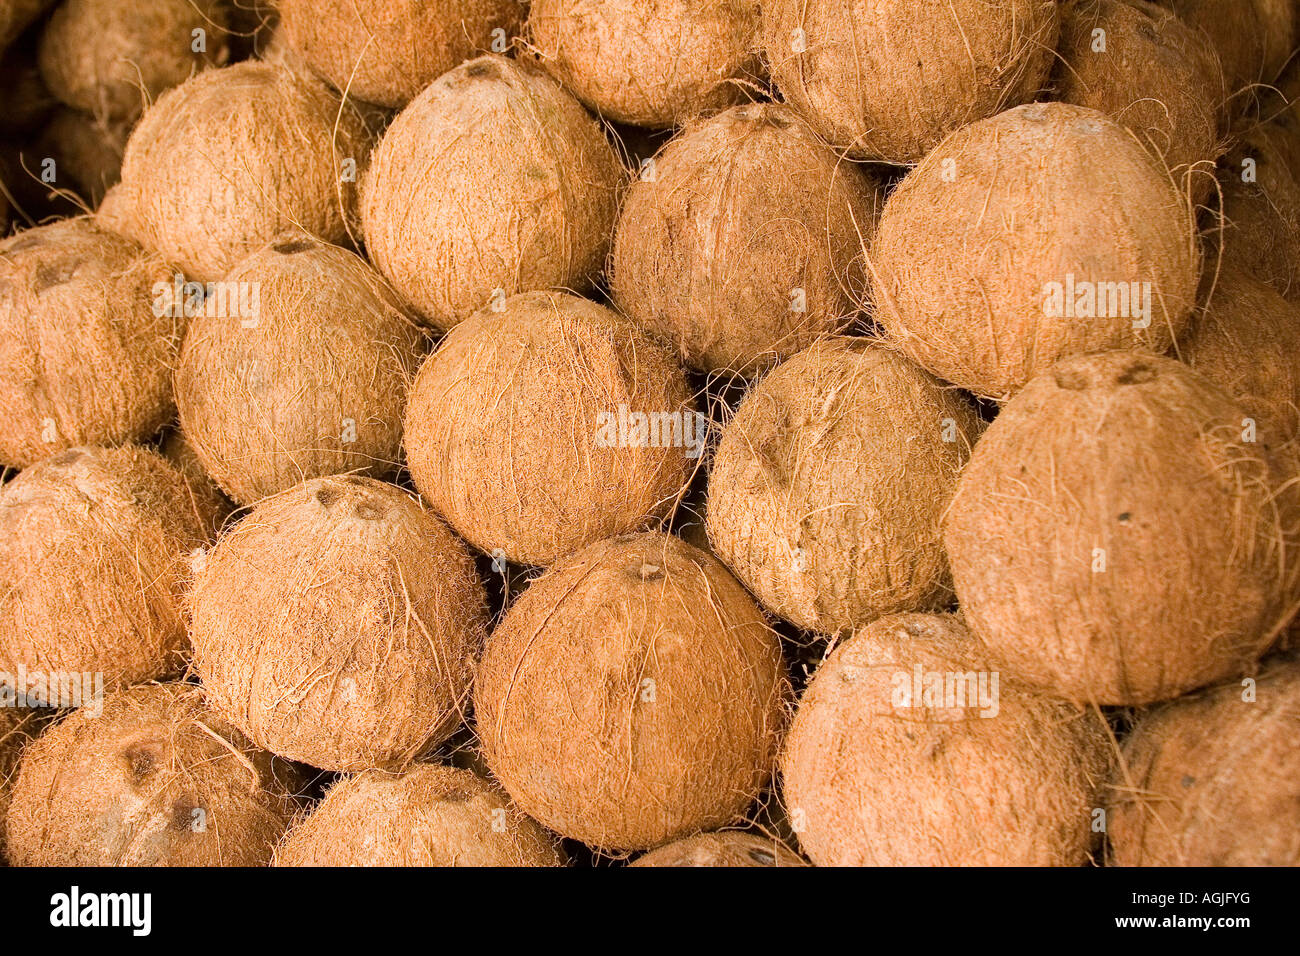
(65, 458)
(1072, 380)
(1136, 374)
(141, 762)
(327, 495)
(47, 277)
(183, 808)
(1125, 516)
(1188, 781)
(488, 70)
(535, 172)
(292, 246)
(369, 510)
(762, 857)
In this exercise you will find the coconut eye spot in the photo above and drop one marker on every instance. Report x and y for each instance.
(141, 762)
(368, 510)
(484, 70)
(292, 246)
(183, 808)
(1125, 516)
(455, 796)
(1136, 374)
(48, 277)
(327, 496)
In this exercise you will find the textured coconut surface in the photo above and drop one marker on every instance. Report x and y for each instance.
(148, 777)
(724, 848)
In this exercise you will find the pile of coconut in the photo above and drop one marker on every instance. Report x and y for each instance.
(685, 433)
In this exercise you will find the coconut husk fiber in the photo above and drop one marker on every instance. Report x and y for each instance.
(337, 625)
(154, 780)
(875, 775)
(426, 816)
(84, 355)
(94, 549)
(829, 485)
(1119, 537)
(632, 695)
(723, 848)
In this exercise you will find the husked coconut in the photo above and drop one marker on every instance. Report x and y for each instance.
(85, 358)
(266, 149)
(827, 491)
(299, 371)
(1261, 211)
(492, 181)
(87, 151)
(1254, 38)
(743, 240)
(548, 425)
(178, 451)
(650, 62)
(1043, 232)
(387, 51)
(94, 548)
(1213, 779)
(1245, 339)
(17, 727)
(148, 777)
(910, 748)
(427, 816)
(337, 625)
(1141, 65)
(888, 79)
(112, 58)
(1120, 537)
(723, 848)
(632, 695)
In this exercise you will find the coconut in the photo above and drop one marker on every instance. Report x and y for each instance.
(1261, 211)
(909, 748)
(266, 150)
(1153, 73)
(337, 624)
(742, 243)
(427, 816)
(276, 51)
(1213, 779)
(112, 58)
(492, 181)
(548, 425)
(1120, 536)
(85, 357)
(86, 150)
(15, 15)
(828, 487)
(302, 373)
(1254, 38)
(1043, 232)
(17, 726)
(650, 63)
(888, 79)
(632, 695)
(723, 848)
(154, 780)
(178, 451)
(94, 544)
(388, 51)
(1245, 340)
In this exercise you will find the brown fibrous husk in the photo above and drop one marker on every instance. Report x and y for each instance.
(876, 775)
(306, 378)
(268, 149)
(1260, 211)
(722, 848)
(650, 63)
(85, 358)
(17, 727)
(1213, 779)
(337, 625)
(1042, 197)
(113, 58)
(154, 780)
(1156, 75)
(742, 242)
(888, 79)
(428, 816)
(87, 150)
(94, 548)
(504, 430)
(389, 50)
(492, 181)
(829, 485)
(632, 695)
(1118, 537)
